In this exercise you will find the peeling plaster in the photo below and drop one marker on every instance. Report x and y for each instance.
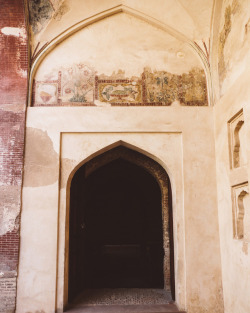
(41, 160)
(14, 31)
(10, 206)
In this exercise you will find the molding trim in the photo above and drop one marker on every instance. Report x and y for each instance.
(107, 13)
(214, 42)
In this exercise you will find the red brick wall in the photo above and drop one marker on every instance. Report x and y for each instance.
(13, 89)
(13, 54)
(9, 249)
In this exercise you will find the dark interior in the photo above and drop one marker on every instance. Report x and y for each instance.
(116, 235)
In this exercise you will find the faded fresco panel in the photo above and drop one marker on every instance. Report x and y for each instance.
(234, 41)
(79, 85)
(123, 61)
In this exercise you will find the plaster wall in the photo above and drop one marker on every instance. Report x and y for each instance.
(235, 252)
(233, 75)
(49, 18)
(179, 138)
(120, 60)
(119, 50)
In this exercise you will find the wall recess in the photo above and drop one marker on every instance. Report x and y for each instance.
(241, 214)
(237, 141)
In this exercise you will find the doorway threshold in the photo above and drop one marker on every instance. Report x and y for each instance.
(123, 300)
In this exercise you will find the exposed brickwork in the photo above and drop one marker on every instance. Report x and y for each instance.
(9, 249)
(11, 147)
(13, 90)
(13, 54)
(8, 288)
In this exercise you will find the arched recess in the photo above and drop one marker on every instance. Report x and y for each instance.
(49, 46)
(237, 144)
(240, 215)
(125, 152)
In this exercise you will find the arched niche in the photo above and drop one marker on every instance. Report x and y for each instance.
(154, 169)
(240, 215)
(185, 72)
(238, 144)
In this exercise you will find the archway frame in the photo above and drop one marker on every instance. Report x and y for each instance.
(49, 46)
(160, 174)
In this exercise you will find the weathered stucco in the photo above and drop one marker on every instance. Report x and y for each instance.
(232, 154)
(129, 78)
(41, 157)
(190, 18)
(234, 42)
(135, 63)
(166, 135)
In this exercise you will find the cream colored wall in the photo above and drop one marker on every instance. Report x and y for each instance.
(234, 53)
(235, 253)
(118, 47)
(192, 18)
(120, 42)
(234, 81)
(181, 139)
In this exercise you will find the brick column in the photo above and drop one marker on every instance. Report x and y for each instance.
(13, 89)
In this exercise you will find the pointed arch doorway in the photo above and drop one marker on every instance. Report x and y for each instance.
(120, 224)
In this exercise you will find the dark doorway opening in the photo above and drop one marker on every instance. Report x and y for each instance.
(116, 228)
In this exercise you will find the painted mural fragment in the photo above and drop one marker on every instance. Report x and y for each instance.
(46, 93)
(161, 87)
(165, 88)
(80, 85)
(120, 92)
(192, 88)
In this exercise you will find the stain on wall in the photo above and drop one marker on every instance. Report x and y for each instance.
(234, 41)
(63, 9)
(41, 161)
(40, 13)
(223, 38)
(80, 85)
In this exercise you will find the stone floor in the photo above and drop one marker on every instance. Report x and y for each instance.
(123, 300)
(123, 296)
(164, 308)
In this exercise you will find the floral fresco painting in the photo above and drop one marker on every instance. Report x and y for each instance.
(78, 84)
